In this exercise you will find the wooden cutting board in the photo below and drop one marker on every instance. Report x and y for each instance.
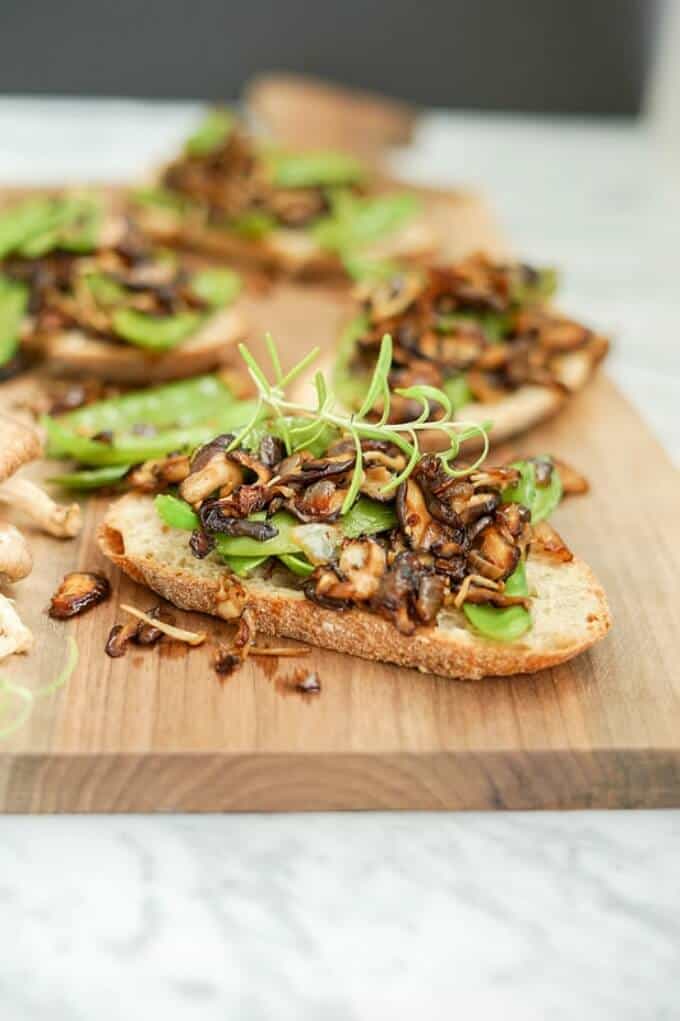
(157, 731)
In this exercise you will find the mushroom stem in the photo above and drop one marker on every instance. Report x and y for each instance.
(55, 519)
(16, 561)
(14, 635)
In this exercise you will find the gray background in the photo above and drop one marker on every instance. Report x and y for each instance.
(561, 55)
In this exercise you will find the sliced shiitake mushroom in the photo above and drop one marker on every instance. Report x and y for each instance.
(78, 592)
(392, 296)
(419, 527)
(360, 567)
(548, 542)
(573, 483)
(213, 519)
(321, 501)
(151, 476)
(217, 471)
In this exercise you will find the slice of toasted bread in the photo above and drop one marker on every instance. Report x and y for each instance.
(570, 609)
(292, 252)
(74, 353)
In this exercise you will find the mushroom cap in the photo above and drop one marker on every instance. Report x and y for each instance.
(19, 444)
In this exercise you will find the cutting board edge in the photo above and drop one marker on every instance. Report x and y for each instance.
(308, 781)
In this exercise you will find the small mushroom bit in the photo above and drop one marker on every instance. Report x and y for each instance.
(477, 329)
(434, 542)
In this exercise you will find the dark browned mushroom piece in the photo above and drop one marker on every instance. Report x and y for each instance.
(421, 530)
(321, 501)
(78, 592)
(213, 519)
(547, 541)
(119, 638)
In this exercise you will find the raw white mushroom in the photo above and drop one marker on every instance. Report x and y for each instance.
(14, 635)
(56, 519)
(16, 561)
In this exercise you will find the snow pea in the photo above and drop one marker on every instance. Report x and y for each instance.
(356, 221)
(104, 289)
(298, 564)
(216, 287)
(313, 169)
(540, 500)
(504, 624)
(37, 226)
(154, 333)
(176, 512)
(75, 226)
(350, 387)
(23, 221)
(253, 225)
(524, 292)
(457, 391)
(243, 566)
(212, 132)
(495, 325)
(91, 478)
(281, 543)
(130, 448)
(184, 403)
(161, 197)
(367, 517)
(13, 305)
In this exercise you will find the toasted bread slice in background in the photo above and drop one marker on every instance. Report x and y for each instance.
(291, 252)
(511, 415)
(570, 610)
(303, 111)
(75, 353)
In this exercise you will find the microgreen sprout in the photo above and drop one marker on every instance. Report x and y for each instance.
(299, 426)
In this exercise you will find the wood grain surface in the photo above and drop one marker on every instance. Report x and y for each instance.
(157, 731)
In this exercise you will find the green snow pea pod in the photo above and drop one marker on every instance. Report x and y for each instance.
(355, 222)
(313, 169)
(457, 391)
(211, 133)
(504, 624)
(350, 387)
(528, 292)
(13, 305)
(162, 198)
(104, 289)
(184, 403)
(217, 287)
(91, 478)
(74, 226)
(243, 566)
(541, 500)
(297, 564)
(176, 512)
(495, 325)
(243, 546)
(154, 333)
(129, 448)
(253, 225)
(23, 221)
(368, 517)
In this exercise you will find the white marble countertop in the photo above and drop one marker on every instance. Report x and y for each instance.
(368, 916)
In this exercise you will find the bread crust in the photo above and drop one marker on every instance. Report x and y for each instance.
(75, 353)
(570, 611)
